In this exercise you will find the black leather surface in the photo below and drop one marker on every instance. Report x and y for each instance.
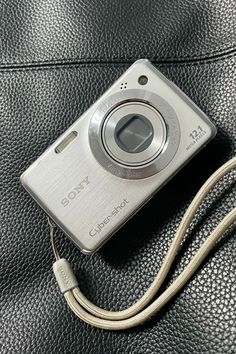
(57, 57)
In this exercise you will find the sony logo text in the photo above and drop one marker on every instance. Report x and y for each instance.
(75, 192)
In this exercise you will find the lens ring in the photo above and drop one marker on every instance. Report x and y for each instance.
(131, 172)
(154, 120)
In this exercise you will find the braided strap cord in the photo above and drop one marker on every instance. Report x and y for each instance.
(140, 312)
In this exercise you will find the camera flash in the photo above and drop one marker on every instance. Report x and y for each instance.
(68, 139)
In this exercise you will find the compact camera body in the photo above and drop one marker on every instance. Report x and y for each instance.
(117, 155)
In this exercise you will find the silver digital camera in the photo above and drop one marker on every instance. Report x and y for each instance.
(120, 152)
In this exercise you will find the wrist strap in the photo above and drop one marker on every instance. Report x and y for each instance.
(140, 312)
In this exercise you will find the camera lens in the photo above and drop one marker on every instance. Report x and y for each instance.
(133, 133)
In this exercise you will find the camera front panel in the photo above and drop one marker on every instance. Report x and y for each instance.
(117, 155)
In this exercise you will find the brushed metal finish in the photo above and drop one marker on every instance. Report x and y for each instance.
(85, 197)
